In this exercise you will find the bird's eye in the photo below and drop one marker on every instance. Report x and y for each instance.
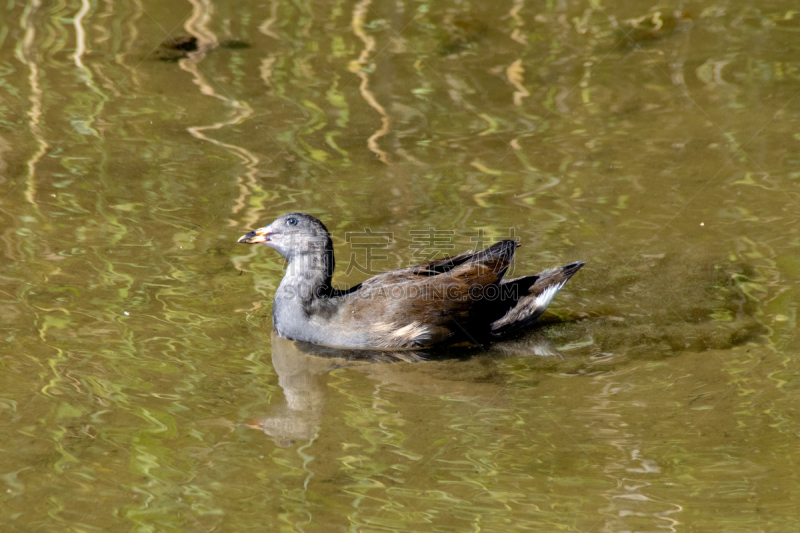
(291, 221)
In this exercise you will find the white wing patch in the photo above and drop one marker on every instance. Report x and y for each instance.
(408, 336)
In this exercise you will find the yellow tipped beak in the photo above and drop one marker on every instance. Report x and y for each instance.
(255, 237)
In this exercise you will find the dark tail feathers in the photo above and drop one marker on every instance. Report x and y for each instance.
(535, 294)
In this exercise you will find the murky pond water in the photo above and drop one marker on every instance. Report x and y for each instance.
(143, 390)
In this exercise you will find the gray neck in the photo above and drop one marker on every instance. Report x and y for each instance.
(303, 294)
(306, 278)
(309, 269)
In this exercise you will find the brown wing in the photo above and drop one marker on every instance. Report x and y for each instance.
(427, 303)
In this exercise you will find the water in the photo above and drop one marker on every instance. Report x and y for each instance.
(142, 390)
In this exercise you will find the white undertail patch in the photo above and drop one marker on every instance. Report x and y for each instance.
(544, 299)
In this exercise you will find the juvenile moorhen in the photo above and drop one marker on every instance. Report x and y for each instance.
(459, 298)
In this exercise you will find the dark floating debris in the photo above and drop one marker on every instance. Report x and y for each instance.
(235, 44)
(651, 27)
(177, 48)
(185, 43)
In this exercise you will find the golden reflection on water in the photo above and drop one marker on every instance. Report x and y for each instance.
(25, 55)
(141, 389)
(197, 26)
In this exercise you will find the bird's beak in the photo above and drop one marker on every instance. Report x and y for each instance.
(256, 236)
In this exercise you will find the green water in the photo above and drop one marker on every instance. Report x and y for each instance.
(141, 388)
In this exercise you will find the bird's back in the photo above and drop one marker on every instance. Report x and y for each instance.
(425, 304)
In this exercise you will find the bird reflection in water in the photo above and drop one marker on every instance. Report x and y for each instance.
(303, 371)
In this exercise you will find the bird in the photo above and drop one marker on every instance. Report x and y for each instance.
(459, 299)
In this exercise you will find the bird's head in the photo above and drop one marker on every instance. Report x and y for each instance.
(292, 235)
